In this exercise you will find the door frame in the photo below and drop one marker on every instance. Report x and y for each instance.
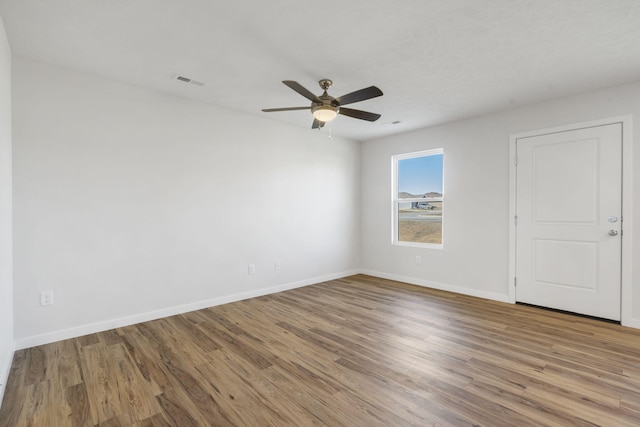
(627, 199)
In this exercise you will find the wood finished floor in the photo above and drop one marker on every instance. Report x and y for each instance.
(358, 351)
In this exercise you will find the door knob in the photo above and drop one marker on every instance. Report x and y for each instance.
(613, 232)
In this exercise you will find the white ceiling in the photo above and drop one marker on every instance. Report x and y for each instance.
(436, 61)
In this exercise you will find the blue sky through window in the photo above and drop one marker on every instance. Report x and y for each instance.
(420, 175)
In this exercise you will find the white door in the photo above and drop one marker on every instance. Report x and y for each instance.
(568, 220)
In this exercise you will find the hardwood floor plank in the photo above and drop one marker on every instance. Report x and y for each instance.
(87, 340)
(383, 392)
(78, 402)
(179, 409)
(165, 338)
(15, 391)
(36, 365)
(189, 330)
(357, 351)
(183, 375)
(303, 394)
(158, 420)
(109, 337)
(235, 342)
(146, 358)
(44, 405)
(530, 412)
(136, 400)
(580, 410)
(235, 383)
(100, 381)
(201, 396)
(67, 366)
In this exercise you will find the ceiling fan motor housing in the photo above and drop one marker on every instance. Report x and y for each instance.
(326, 103)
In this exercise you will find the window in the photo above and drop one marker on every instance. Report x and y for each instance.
(418, 198)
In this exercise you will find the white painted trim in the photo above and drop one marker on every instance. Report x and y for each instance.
(78, 331)
(395, 200)
(631, 323)
(512, 220)
(6, 369)
(440, 286)
(626, 306)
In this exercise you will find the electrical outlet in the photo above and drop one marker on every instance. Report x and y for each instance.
(418, 259)
(252, 269)
(276, 265)
(46, 297)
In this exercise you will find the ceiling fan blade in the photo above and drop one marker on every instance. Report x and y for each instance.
(271, 110)
(359, 114)
(301, 90)
(359, 95)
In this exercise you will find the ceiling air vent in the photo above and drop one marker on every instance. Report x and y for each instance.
(187, 80)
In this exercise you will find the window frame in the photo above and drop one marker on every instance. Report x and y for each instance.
(395, 200)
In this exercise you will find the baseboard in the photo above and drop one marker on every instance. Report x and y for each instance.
(440, 286)
(6, 369)
(631, 323)
(78, 331)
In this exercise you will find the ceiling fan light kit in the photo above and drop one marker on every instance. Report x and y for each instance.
(324, 113)
(325, 108)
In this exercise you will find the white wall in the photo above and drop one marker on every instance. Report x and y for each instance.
(132, 204)
(6, 285)
(475, 258)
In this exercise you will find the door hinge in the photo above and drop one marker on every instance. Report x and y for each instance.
(515, 220)
(515, 160)
(515, 281)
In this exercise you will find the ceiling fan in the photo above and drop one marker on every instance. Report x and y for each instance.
(325, 107)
